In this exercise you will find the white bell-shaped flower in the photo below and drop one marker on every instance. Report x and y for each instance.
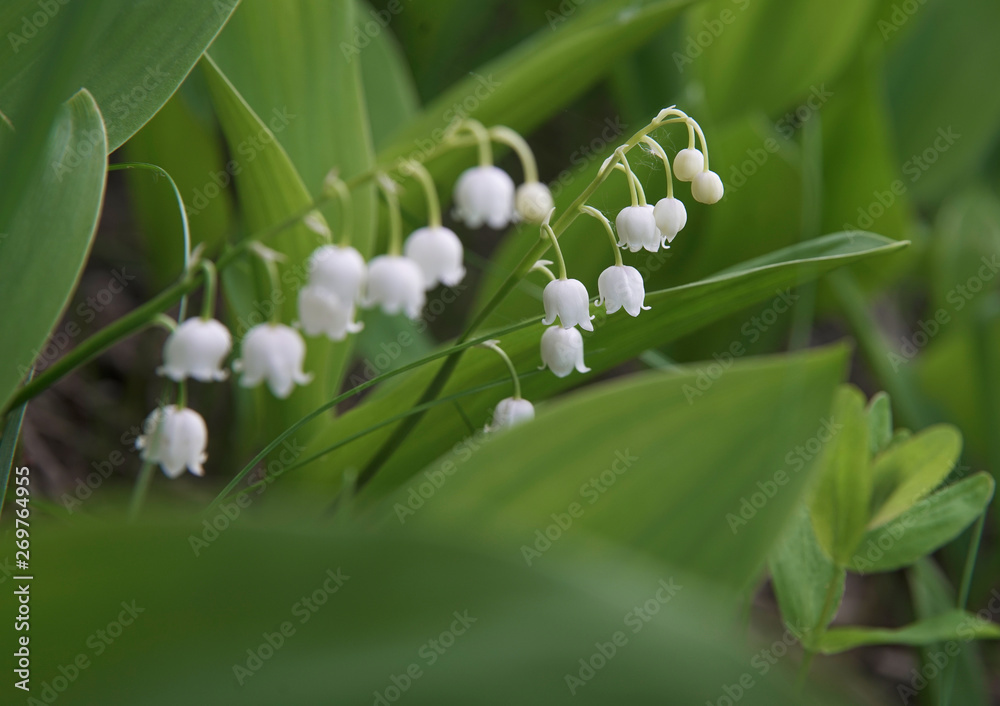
(568, 300)
(688, 164)
(484, 195)
(175, 438)
(196, 349)
(671, 217)
(621, 286)
(562, 351)
(339, 269)
(273, 353)
(637, 229)
(323, 312)
(533, 202)
(396, 283)
(438, 252)
(510, 412)
(707, 188)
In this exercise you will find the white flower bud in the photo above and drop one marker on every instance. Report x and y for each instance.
(176, 439)
(567, 299)
(275, 353)
(322, 312)
(396, 283)
(510, 412)
(688, 164)
(484, 195)
(562, 351)
(637, 228)
(438, 252)
(621, 286)
(341, 270)
(671, 217)
(707, 188)
(533, 202)
(196, 350)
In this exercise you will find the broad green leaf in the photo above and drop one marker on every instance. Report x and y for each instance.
(953, 625)
(270, 191)
(944, 122)
(840, 501)
(932, 596)
(189, 149)
(911, 470)
(388, 85)
(925, 527)
(732, 44)
(863, 187)
(618, 338)
(801, 573)
(351, 616)
(137, 54)
(287, 62)
(643, 463)
(879, 424)
(47, 241)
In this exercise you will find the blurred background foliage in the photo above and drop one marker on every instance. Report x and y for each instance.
(860, 115)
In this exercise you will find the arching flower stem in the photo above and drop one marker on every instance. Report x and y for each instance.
(594, 213)
(503, 134)
(418, 170)
(658, 150)
(388, 188)
(493, 345)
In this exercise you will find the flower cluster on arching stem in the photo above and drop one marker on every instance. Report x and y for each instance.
(339, 280)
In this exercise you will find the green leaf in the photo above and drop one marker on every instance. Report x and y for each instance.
(932, 596)
(352, 615)
(270, 191)
(801, 573)
(618, 338)
(643, 463)
(910, 470)
(945, 124)
(388, 85)
(842, 495)
(925, 527)
(796, 46)
(879, 423)
(47, 240)
(137, 54)
(953, 625)
(286, 59)
(862, 184)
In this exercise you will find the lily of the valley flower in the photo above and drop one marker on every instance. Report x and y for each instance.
(688, 164)
(339, 269)
(671, 217)
(637, 228)
(510, 412)
(707, 188)
(620, 286)
(533, 201)
(322, 312)
(484, 195)
(568, 300)
(396, 283)
(196, 350)
(438, 252)
(562, 351)
(273, 353)
(175, 438)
